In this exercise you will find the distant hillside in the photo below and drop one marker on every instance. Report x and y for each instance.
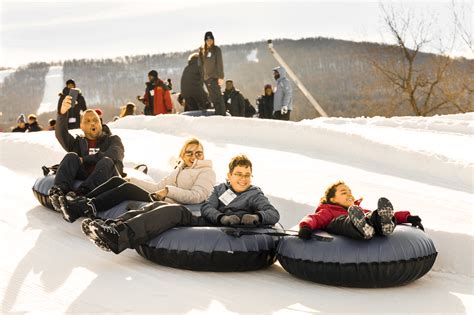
(336, 72)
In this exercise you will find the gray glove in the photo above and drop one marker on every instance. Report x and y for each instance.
(230, 220)
(250, 219)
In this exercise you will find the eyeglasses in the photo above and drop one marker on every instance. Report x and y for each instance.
(197, 154)
(244, 176)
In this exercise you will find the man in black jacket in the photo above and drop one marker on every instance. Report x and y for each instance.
(192, 85)
(95, 157)
(233, 99)
(74, 115)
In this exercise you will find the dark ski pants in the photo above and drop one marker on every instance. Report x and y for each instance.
(342, 225)
(71, 168)
(278, 115)
(215, 95)
(197, 102)
(114, 191)
(148, 222)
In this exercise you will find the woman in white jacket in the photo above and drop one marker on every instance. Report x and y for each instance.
(190, 182)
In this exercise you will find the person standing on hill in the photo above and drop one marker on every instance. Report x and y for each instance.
(33, 125)
(192, 85)
(213, 71)
(157, 98)
(265, 103)
(21, 126)
(74, 120)
(283, 98)
(233, 99)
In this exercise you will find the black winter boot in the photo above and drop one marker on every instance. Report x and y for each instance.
(54, 193)
(110, 233)
(73, 209)
(385, 212)
(358, 219)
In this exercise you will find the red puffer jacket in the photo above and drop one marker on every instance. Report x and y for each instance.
(162, 103)
(326, 212)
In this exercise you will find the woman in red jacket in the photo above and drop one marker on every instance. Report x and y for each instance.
(339, 213)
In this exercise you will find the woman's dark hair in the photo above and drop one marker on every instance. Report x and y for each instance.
(331, 192)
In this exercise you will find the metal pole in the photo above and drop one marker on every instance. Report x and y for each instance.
(298, 83)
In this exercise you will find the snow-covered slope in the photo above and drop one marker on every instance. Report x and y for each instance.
(421, 164)
(54, 84)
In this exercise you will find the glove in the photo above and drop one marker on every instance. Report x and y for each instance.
(250, 219)
(284, 110)
(305, 233)
(230, 220)
(415, 221)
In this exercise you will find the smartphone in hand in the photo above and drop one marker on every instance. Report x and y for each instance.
(74, 93)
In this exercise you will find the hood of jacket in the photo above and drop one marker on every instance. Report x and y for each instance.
(281, 71)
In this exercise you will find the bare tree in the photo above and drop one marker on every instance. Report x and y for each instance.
(421, 81)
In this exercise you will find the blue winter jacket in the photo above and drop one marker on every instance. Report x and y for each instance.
(251, 201)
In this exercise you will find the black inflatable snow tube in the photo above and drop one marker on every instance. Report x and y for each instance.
(211, 249)
(42, 186)
(398, 259)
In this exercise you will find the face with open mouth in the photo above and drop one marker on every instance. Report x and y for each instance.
(343, 196)
(240, 179)
(91, 125)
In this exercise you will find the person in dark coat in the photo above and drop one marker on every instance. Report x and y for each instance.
(33, 125)
(339, 213)
(233, 99)
(192, 85)
(213, 71)
(235, 202)
(95, 157)
(74, 120)
(157, 97)
(21, 126)
(265, 103)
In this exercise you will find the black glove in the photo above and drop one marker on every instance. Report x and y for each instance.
(415, 221)
(250, 219)
(230, 220)
(305, 233)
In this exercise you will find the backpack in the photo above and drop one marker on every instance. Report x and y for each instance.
(249, 109)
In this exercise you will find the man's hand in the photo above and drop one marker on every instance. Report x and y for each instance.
(65, 105)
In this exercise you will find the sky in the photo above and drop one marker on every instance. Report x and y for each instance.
(59, 30)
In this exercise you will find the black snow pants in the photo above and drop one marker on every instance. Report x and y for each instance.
(342, 225)
(71, 168)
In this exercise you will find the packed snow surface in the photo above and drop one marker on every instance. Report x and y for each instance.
(424, 165)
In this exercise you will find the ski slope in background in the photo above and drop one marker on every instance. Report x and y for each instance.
(421, 164)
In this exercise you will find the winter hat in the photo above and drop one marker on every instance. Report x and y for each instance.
(153, 73)
(21, 119)
(208, 35)
(32, 116)
(267, 86)
(99, 112)
(52, 122)
(71, 81)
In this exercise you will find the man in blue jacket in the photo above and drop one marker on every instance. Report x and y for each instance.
(234, 202)
(283, 97)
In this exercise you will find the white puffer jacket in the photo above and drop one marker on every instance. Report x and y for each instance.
(190, 185)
